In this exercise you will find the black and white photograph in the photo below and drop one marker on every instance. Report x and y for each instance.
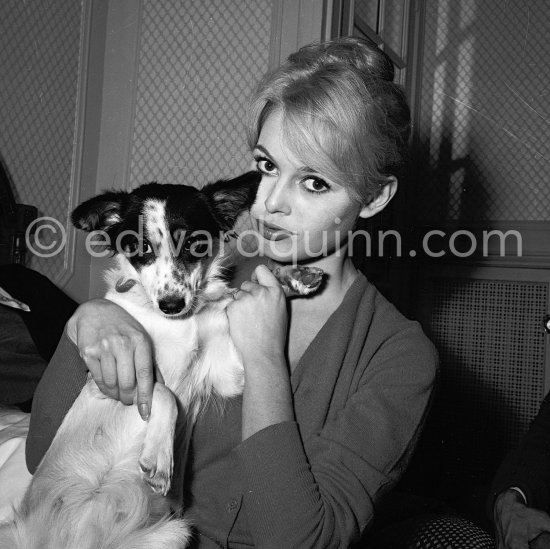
(275, 274)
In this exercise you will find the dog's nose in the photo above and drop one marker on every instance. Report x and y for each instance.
(172, 306)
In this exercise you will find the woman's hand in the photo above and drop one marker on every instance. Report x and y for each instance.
(117, 351)
(258, 318)
(518, 526)
(258, 324)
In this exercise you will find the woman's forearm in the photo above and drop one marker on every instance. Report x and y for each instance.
(267, 397)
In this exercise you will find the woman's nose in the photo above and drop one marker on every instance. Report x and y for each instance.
(278, 200)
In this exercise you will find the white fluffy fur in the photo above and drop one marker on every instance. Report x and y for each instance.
(104, 482)
(90, 490)
(206, 361)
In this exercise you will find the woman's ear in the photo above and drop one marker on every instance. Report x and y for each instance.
(377, 204)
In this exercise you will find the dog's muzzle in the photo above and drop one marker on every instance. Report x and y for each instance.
(172, 305)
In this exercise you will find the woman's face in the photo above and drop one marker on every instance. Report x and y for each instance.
(299, 214)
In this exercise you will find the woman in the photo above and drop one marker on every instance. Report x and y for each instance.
(336, 385)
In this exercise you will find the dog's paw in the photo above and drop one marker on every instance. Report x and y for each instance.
(157, 464)
(299, 279)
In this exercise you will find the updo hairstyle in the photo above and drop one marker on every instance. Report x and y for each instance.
(342, 113)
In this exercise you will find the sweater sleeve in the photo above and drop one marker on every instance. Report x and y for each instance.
(321, 492)
(61, 383)
(527, 467)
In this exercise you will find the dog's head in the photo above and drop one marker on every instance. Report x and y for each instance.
(169, 236)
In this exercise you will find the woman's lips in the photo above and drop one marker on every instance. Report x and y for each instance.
(273, 232)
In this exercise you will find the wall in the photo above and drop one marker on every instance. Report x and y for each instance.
(43, 56)
(484, 115)
(177, 77)
(198, 63)
(483, 153)
(100, 94)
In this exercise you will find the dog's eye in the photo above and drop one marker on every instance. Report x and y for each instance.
(197, 245)
(129, 244)
(132, 246)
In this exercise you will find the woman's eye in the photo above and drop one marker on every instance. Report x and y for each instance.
(266, 166)
(315, 185)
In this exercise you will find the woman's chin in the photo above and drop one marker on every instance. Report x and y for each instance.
(280, 256)
(281, 253)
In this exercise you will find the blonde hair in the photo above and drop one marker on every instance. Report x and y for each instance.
(342, 113)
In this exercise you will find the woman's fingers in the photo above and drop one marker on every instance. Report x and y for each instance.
(117, 362)
(126, 376)
(109, 376)
(261, 277)
(144, 376)
(117, 351)
(117, 367)
(90, 352)
(265, 277)
(94, 367)
(247, 287)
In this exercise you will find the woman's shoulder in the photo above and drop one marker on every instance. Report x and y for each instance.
(368, 342)
(368, 305)
(378, 324)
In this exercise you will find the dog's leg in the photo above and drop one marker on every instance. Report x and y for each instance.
(298, 279)
(219, 361)
(157, 455)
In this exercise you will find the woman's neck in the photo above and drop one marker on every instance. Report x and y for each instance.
(339, 271)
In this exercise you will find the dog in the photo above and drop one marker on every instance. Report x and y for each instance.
(105, 480)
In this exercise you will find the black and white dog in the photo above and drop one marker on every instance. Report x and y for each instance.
(105, 480)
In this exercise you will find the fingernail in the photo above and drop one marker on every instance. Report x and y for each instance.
(144, 411)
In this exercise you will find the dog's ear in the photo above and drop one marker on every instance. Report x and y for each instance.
(229, 198)
(99, 212)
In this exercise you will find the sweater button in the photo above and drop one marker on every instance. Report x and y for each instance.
(231, 506)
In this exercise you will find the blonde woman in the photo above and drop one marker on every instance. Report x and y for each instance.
(337, 385)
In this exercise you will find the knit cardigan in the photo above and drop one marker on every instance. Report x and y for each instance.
(361, 392)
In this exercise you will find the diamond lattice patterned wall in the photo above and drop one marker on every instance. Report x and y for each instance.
(39, 67)
(198, 63)
(485, 115)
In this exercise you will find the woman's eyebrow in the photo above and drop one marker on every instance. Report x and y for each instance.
(307, 170)
(301, 169)
(261, 148)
